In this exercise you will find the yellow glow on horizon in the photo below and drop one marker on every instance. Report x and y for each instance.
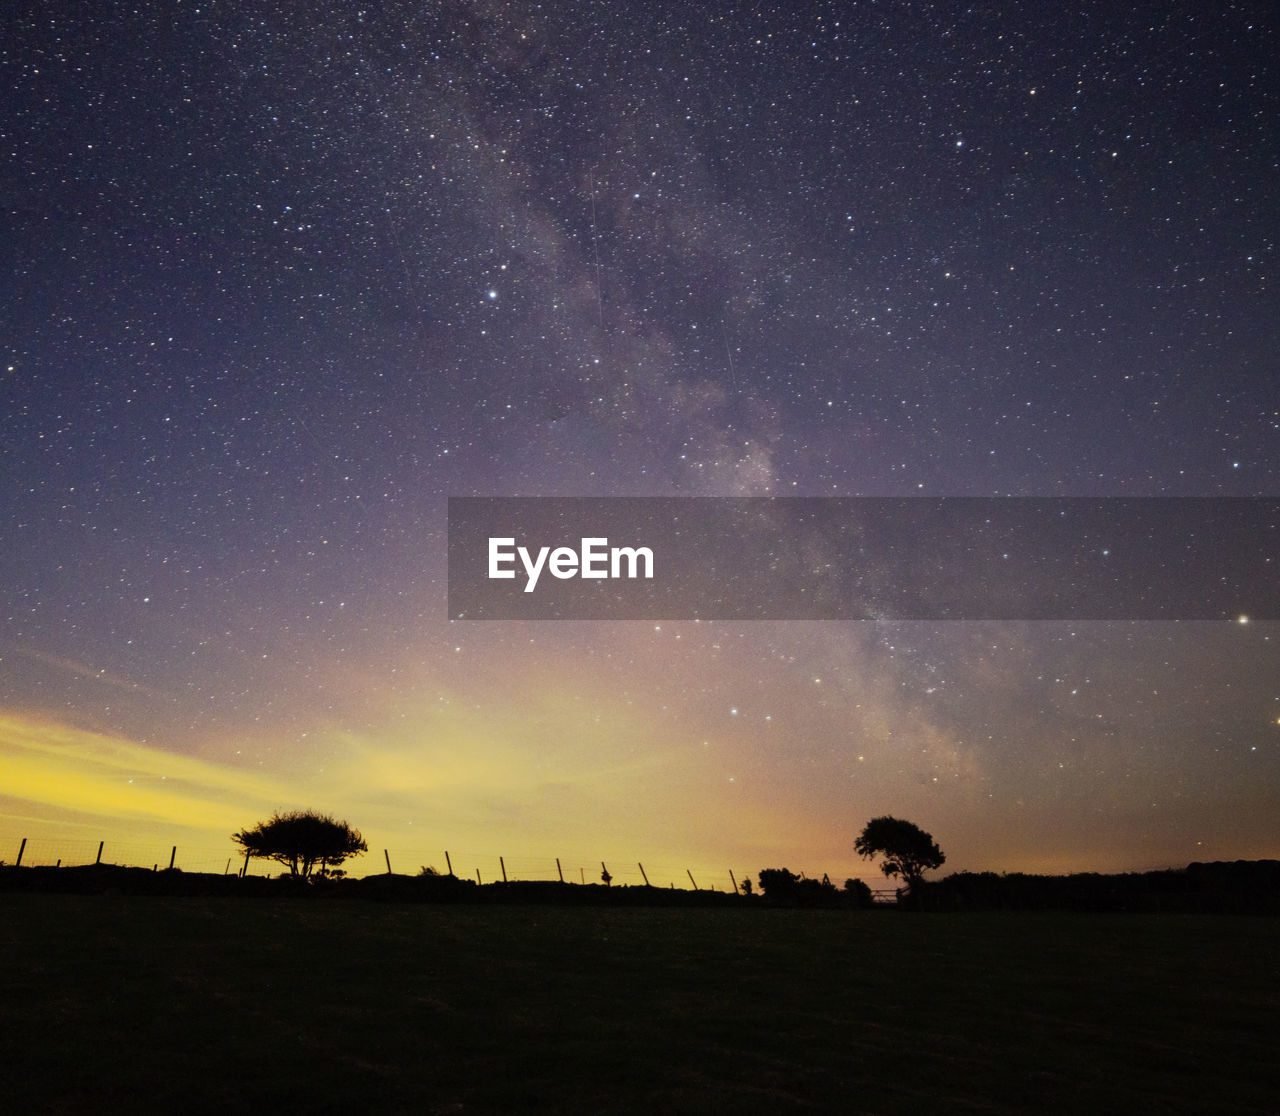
(535, 775)
(569, 754)
(62, 767)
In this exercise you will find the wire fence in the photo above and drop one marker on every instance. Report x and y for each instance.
(67, 853)
(483, 867)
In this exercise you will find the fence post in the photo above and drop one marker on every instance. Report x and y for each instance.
(227, 869)
(735, 881)
(692, 880)
(173, 856)
(642, 872)
(478, 879)
(244, 868)
(448, 862)
(387, 855)
(503, 865)
(21, 849)
(100, 844)
(559, 870)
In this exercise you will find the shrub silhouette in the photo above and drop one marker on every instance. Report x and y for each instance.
(792, 889)
(304, 841)
(778, 883)
(857, 893)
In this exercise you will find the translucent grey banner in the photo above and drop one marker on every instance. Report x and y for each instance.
(864, 558)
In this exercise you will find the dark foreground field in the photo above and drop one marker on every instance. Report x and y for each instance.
(116, 1003)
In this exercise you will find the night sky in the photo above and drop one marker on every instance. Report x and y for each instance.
(279, 281)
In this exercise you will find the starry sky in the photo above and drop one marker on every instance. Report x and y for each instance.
(281, 280)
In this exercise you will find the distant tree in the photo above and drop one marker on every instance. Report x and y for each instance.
(908, 850)
(304, 841)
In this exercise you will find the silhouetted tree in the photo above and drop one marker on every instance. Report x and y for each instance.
(303, 841)
(908, 850)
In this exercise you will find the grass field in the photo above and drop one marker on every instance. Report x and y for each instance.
(114, 1003)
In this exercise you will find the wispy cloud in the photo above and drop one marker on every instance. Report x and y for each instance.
(93, 674)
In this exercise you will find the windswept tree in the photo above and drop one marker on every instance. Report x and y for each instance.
(907, 849)
(302, 840)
